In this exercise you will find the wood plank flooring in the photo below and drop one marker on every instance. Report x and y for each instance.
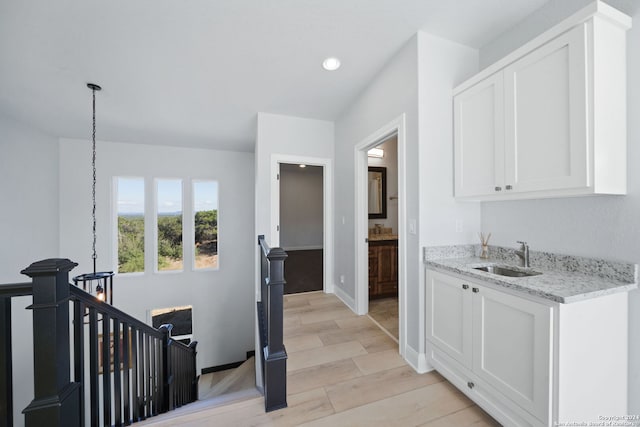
(385, 312)
(343, 370)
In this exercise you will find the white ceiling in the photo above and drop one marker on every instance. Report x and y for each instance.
(196, 72)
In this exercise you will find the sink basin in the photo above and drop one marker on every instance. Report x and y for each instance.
(504, 271)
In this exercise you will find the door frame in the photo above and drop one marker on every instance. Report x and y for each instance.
(361, 221)
(327, 207)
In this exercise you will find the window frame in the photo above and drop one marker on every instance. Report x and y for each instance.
(115, 229)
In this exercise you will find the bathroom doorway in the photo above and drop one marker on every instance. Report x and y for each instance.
(382, 202)
(395, 127)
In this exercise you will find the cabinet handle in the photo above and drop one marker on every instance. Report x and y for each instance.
(498, 188)
(476, 290)
(509, 187)
(465, 287)
(470, 384)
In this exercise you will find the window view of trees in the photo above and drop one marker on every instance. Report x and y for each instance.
(169, 199)
(205, 202)
(131, 224)
(130, 202)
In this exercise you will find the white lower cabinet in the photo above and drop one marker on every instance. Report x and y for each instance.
(528, 361)
(502, 340)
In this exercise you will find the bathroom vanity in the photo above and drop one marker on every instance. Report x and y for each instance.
(383, 266)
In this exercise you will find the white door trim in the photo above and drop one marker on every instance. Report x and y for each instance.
(396, 126)
(327, 189)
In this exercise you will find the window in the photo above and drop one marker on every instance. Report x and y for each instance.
(130, 213)
(205, 208)
(181, 319)
(169, 220)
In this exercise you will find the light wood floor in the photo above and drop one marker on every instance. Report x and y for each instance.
(343, 370)
(384, 311)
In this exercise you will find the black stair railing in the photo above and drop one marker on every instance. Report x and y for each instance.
(270, 318)
(7, 292)
(107, 369)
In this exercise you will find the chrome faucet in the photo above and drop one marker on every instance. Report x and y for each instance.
(523, 254)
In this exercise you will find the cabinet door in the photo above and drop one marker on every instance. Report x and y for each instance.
(449, 321)
(479, 138)
(373, 271)
(511, 348)
(388, 263)
(546, 117)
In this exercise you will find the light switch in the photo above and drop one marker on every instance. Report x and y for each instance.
(413, 228)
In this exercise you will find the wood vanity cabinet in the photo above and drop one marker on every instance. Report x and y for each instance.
(383, 268)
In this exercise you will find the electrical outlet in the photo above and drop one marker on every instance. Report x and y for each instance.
(459, 225)
(342, 279)
(413, 228)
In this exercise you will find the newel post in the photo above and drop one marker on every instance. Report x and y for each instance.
(275, 355)
(167, 375)
(56, 399)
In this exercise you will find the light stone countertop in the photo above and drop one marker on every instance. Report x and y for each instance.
(564, 279)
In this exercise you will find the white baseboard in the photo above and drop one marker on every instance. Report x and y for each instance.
(345, 298)
(418, 361)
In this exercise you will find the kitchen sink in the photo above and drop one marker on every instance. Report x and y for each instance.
(504, 271)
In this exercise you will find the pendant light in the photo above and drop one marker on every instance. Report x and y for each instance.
(99, 283)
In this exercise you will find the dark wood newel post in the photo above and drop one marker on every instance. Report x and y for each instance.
(276, 357)
(167, 386)
(56, 399)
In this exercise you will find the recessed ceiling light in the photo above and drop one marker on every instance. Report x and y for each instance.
(303, 166)
(331, 64)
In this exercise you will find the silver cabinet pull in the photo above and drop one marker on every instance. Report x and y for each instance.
(476, 290)
(465, 286)
(498, 188)
(509, 187)
(470, 384)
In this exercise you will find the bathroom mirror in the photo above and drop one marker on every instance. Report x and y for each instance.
(377, 192)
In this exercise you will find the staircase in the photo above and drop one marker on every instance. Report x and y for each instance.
(217, 392)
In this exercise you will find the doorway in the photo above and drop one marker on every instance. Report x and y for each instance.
(277, 160)
(301, 226)
(383, 238)
(395, 127)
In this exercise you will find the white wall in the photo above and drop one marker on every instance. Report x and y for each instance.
(301, 207)
(442, 65)
(222, 300)
(29, 230)
(599, 226)
(389, 161)
(293, 136)
(393, 92)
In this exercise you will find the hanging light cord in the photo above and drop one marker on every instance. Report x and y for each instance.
(93, 163)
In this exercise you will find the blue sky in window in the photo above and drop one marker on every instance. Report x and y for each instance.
(169, 196)
(205, 196)
(130, 196)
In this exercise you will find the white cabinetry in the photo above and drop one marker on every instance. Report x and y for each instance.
(526, 361)
(479, 132)
(549, 119)
(503, 340)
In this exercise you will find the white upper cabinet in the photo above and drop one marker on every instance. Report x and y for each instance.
(479, 138)
(549, 120)
(546, 117)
